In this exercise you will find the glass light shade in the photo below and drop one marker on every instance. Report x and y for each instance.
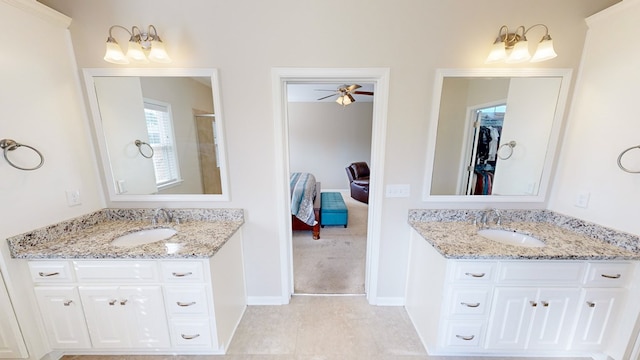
(340, 100)
(519, 53)
(544, 51)
(498, 53)
(348, 99)
(136, 54)
(158, 53)
(114, 53)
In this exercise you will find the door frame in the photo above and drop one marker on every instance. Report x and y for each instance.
(380, 78)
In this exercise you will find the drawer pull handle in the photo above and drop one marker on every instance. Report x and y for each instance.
(465, 338)
(189, 337)
(616, 276)
(123, 302)
(475, 275)
(545, 304)
(591, 304)
(182, 274)
(67, 302)
(112, 302)
(533, 303)
(470, 305)
(43, 274)
(183, 304)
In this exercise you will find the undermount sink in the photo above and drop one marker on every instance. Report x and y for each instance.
(510, 237)
(142, 237)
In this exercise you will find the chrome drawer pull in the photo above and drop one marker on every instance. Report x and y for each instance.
(190, 337)
(470, 305)
(112, 302)
(67, 302)
(475, 275)
(185, 304)
(123, 302)
(616, 276)
(43, 274)
(590, 304)
(533, 303)
(545, 304)
(182, 274)
(465, 338)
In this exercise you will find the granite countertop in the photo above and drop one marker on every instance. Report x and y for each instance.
(459, 240)
(90, 237)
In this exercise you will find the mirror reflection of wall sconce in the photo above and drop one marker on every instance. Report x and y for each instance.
(516, 42)
(139, 45)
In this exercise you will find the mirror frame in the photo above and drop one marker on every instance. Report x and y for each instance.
(102, 151)
(550, 158)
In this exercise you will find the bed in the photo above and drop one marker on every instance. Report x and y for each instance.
(305, 203)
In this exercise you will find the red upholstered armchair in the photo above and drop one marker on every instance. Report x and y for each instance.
(358, 174)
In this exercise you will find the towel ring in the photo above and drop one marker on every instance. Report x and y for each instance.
(620, 160)
(10, 145)
(139, 145)
(511, 144)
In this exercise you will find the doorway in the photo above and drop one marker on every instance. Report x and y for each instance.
(379, 78)
(330, 127)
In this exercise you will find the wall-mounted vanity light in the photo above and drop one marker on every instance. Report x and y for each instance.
(518, 45)
(140, 44)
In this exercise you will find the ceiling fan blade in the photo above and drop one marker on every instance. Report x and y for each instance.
(328, 96)
(362, 92)
(323, 90)
(352, 87)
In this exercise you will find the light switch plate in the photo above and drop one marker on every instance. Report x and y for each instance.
(73, 197)
(398, 190)
(582, 200)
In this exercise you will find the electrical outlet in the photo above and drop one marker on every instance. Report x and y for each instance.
(582, 200)
(73, 197)
(398, 190)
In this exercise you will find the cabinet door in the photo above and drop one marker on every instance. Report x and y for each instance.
(554, 316)
(63, 317)
(511, 316)
(105, 316)
(11, 344)
(598, 308)
(145, 317)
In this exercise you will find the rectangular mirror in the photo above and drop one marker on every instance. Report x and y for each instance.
(494, 133)
(159, 133)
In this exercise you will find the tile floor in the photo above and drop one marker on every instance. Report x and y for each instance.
(318, 328)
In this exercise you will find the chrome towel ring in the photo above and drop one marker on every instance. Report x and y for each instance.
(620, 160)
(511, 144)
(139, 144)
(10, 145)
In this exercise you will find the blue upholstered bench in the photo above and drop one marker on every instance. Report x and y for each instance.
(333, 210)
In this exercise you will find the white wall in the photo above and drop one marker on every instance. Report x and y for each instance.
(246, 39)
(324, 138)
(40, 105)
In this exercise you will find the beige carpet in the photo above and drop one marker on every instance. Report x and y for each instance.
(334, 264)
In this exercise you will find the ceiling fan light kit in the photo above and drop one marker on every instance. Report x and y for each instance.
(513, 47)
(345, 94)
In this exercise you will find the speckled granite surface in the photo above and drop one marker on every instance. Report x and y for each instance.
(201, 233)
(454, 235)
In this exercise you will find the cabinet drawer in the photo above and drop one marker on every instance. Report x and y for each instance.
(182, 300)
(464, 334)
(191, 333)
(51, 271)
(121, 271)
(540, 272)
(472, 272)
(182, 271)
(465, 301)
(607, 274)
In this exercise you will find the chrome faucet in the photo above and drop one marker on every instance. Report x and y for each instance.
(165, 214)
(486, 216)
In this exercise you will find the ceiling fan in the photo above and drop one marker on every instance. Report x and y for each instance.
(345, 94)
